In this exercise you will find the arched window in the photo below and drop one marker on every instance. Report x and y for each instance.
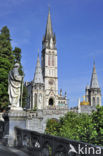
(93, 101)
(97, 100)
(49, 60)
(51, 102)
(49, 72)
(52, 60)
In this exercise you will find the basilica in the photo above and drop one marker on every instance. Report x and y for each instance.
(43, 89)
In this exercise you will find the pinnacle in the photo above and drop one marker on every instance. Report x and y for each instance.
(94, 81)
(38, 77)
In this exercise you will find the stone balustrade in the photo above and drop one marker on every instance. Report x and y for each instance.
(40, 144)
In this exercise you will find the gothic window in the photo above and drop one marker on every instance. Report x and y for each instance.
(52, 60)
(93, 101)
(49, 60)
(51, 102)
(97, 100)
(49, 72)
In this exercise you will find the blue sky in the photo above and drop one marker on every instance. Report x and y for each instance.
(78, 25)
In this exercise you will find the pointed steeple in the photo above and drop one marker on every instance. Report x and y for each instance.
(49, 39)
(94, 81)
(38, 77)
(49, 31)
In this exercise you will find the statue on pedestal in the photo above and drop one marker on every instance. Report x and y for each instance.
(14, 87)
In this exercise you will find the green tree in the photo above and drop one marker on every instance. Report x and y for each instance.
(53, 127)
(7, 59)
(97, 120)
(6, 63)
(17, 55)
(80, 127)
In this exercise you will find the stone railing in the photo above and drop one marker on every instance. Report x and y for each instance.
(46, 145)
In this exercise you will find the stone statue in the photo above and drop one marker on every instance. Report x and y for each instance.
(14, 86)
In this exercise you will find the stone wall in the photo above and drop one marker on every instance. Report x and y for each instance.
(37, 121)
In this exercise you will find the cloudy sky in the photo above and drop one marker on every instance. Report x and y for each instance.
(78, 25)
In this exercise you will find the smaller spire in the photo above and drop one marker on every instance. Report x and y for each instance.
(38, 77)
(94, 81)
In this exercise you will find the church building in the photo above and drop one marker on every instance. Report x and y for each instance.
(43, 89)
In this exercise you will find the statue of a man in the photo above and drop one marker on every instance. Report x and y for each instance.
(14, 86)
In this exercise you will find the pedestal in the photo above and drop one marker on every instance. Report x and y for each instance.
(13, 108)
(17, 118)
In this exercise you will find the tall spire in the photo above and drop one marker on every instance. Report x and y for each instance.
(94, 81)
(49, 31)
(49, 39)
(38, 77)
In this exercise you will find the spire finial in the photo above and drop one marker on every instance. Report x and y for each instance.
(49, 7)
(93, 61)
(38, 51)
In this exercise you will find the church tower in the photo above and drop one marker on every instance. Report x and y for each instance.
(49, 65)
(93, 92)
(43, 90)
